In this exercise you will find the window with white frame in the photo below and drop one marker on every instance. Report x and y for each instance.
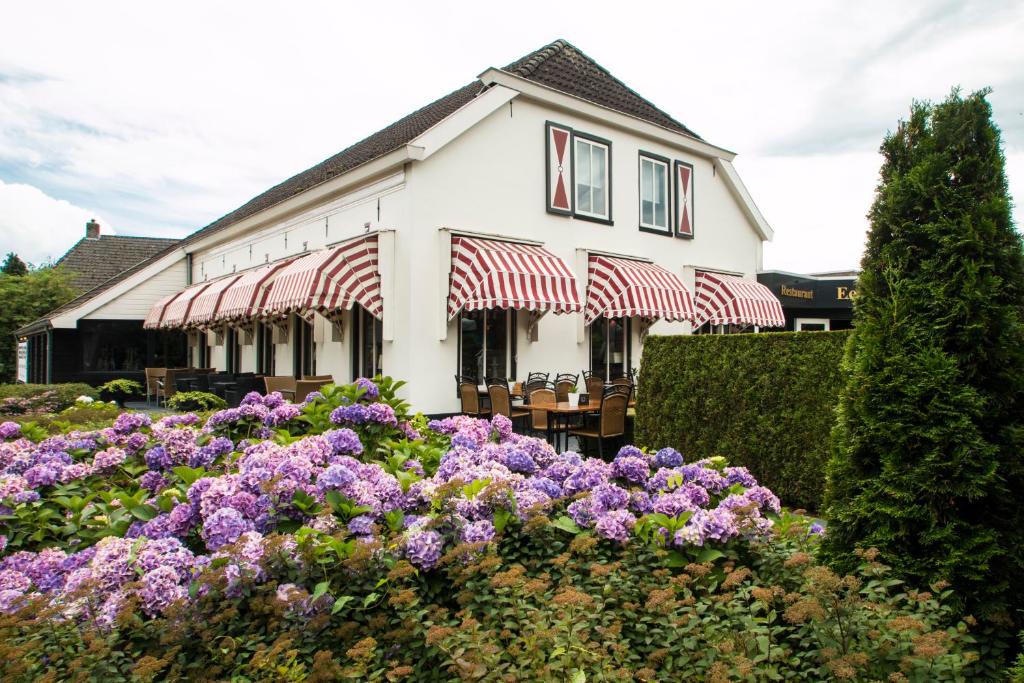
(590, 175)
(654, 176)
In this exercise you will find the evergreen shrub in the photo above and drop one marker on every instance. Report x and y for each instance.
(766, 400)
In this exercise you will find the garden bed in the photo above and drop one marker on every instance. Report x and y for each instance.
(342, 537)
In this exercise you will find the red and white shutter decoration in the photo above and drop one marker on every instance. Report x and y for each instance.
(684, 199)
(559, 170)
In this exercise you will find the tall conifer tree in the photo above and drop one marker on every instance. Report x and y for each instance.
(928, 450)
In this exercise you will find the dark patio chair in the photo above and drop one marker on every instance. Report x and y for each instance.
(565, 383)
(243, 385)
(611, 420)
(501, 401)
(469, 395)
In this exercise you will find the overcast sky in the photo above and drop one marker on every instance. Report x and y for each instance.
(158, 118)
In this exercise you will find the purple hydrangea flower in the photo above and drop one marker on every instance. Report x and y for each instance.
(356, 414)
(130, 422)
(160, 589)
(361, 525)
(817, 529)
(224, 527)
(668, 457)
(478, 532)
(423, 547)
(344, 441)
(157, 458)
(615, 525)
(153, 481)
(335, 477)
(108, 460)
(370, 390)
(631, 468)
(9, 430)
(282, 414)
(518, 461)
(502, 426)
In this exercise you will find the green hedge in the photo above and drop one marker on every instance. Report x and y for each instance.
(54, 397)
(767, 401)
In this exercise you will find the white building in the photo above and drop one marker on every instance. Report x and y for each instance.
(552, 152)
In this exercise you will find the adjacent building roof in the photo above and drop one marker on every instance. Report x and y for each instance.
(559, 65)
(94, 261)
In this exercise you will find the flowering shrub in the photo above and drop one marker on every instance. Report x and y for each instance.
(18, 399)
(342, 537)
(195, 400)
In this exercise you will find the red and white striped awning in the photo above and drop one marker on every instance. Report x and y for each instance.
(177, 312)
(328, 281)
(245, 299)
(205, 305)
(620, 286)
(495, 274)
(156, 314)
(728, 300)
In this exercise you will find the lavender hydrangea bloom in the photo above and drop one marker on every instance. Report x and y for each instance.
(631, 468)
(478, 532)
(629, 452)
(108, 460)
(153, 481)
(615, 525)
(502, 427)
(157, 458)
(335, 477)
(9, 430)
(423, 547)
(547, 486)
(668, 457)
(382, 414)
(370, 390)
(344, 441)
(817, 529)
(356, 414)
(224, 527)
(130, 422)
(160, 589)
(518, 461)
(609, 497)
(361, 525)
(43, 474)
(282, 414)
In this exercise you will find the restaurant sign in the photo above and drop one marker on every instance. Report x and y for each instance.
(796, 293)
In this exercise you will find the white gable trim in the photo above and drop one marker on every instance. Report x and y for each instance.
(602, 114)
(461, 120)
(743, 198)
(69, 319)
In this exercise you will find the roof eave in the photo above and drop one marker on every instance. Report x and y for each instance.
(599, 112)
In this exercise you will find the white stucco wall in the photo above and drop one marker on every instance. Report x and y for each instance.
(135, 304)
(491, 180)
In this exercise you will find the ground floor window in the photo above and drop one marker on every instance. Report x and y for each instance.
(610, 347)
(305, 349)
(38, 359)
(367, 344)
(203, 351)
(487, 343)
(811, 324)
(233, 350)
(266, 350)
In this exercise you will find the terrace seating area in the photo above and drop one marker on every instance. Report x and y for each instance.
(551, 405)
(163, 383)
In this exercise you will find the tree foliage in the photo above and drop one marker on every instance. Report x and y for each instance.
(926, 461)
(14, 265)
(25, 298)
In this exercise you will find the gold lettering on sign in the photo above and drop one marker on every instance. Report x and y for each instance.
(845, 293)
(797, 293)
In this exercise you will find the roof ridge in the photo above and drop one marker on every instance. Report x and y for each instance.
(532, 61)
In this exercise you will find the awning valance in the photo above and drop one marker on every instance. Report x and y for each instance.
(620, 286)
(329, 281)
(728, 300)
(177, 312)
(495, 274)
(156, 314)
(244, 299)
(205, 305)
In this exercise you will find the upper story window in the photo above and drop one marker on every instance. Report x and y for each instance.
(591, 178)
(578, 174)
(654, 194)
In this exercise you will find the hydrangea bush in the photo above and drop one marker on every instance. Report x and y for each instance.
(346, 515)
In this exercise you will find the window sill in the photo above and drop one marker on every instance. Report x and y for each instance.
(593, 219)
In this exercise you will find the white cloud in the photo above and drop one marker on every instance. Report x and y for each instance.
(38, 227)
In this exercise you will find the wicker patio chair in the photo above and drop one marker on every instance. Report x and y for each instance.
(611, 420)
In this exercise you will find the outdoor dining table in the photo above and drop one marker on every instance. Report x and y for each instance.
(564, 410)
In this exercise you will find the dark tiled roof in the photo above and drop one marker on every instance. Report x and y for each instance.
(95, 261)
(559, 65)
(564, 67)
